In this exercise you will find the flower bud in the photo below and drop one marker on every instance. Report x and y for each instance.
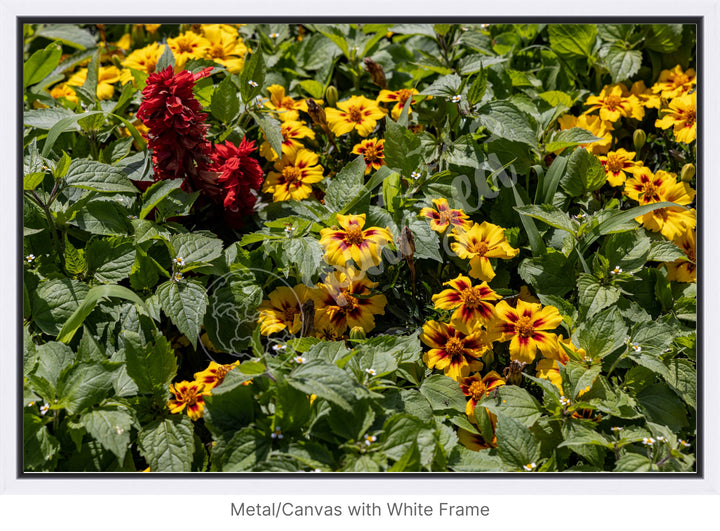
(687, 172)
(376, 72)
(513, 372)
(639, 138)
(357, 332)
(331, 96)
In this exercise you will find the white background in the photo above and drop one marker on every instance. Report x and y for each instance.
(554, 502)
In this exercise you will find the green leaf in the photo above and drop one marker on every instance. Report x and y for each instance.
(552, 178)
(682, 378)
(584, 174)
(629, 250)
(623, 64)
(33, 180)
(224, 104)
(443, 393)
(663, 406)
(184, 302)
(110, 260)
(53, 358)
(402, 431)
(445, 86)
(335, 34)
(156, 193)
(91, 299)
(633, 463)
(70, 34)
(390, 190)
(153, 366)
(403, 150)
(55, 301)
(253, 70)
(99, 177)
(601, 335)
(246, 449)
(347, 184)
(409, 462)
(196, 248)
(39, 447)
(271, 129)
(514, 402)
(536, 242)
(230, 407)
(569, 138)
(427, 241)
(101, 217)
(75, 262)
(547, 273)
(664, 38)
(516, 445)
(572, 40)
(505, 120)
(168, 444)
(111, 428)
(68, 123)
(85, 384)
(664, 251)
(477, 89)
(325, 380)
(312, 87)
(595, 296)
(306, 254)
(41, 63)
(549, 214)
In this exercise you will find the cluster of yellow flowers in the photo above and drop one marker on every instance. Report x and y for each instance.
(191, 394)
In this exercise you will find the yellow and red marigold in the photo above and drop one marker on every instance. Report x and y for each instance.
(400, 98)
(684, 270)
(188, 394)
(614, 102)
(145, 59)
(294, 175)
(477, 388)
(479, 244)
(283, 310)
(225, 47)
(373, 151)
(681, 116)
(674, 83)
(286, 107)
(357, 112)
(454, 349)
(351, 242)
(214, 375)
(528, 327)
(595, 125)
(442, 216)
(292, 132)
(469, 302)
(188, 45)
(616, 163)
(345, 301)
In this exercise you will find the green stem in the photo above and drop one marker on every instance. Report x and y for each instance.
(50, 221)
(612, 367)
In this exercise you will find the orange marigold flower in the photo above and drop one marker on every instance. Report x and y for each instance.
(468, 301)
(214, 375)
(479, 244)
(675, 82)
(614, 102)
(373, 151)
(616, 163)
(681, 116)
(188, 394)
(477, 388)
(351, 242)
(344, 301)
(358, 112)
(527, 327)
(400, 97)
(454, 348)
(444, 216)
(283, 310)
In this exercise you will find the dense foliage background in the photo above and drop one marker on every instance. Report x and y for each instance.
(379, 247)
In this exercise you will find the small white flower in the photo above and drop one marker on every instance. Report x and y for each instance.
(178, 277)
(277, 434)
(44, 408)
(415, 175)
(484, 26)
(636, 347)
(30, 258)
(317, 470)
(661, 438)
(648, 441)
(289, 229)
(564, 401)
(274, 35)
(371, 372)
(616, 428)
(369, 439)
(130, 216)
(684, 444)
(278, 347)
(179, 261)
(580, 215)
(299, 359)
(464, 28)
(456, 98)
(616, 271)
(530, 467)
(252, 83)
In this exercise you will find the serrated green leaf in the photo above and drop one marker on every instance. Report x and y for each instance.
(252, 76)
(96, 176)
(505, 120)
(633, 463)
(549, 214)
(569, 138)
(584, 174)
(111, 428)
(326, 381)
(402, 431)
(516, 445)
(547, 274)
(347, 184)
(85, 384)
(514, 402)
(572, 40)
(54, 302)
(595, 296)
(184, 302)
(153, 366)
(195, 248)
(623, 64)
(443, 393)
(168, 444)
(602, 334)
(271, 130)
(245, 450)
(156, 193)
(224, 104)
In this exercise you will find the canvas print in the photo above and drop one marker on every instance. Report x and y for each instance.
(383, 247)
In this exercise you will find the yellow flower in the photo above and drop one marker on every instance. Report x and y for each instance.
(188, 394)
(616, 163)
(145, 59)
(645, 95)
(468, 301)
(107, 75)
(672, 222)
(401, 97)
(64, 91)
(614, 102)
(454, 348)
(351, 242)
(445, 217)
(681, 117)
(344, 301)
(283, 310)
(478, 388)
(225, 47)
(152, 28)
(358, 112)
(189, 45)
(294, 176)
(595, 125)
(549, 369)
(479, 244)
(674, 83)
(684, 270)
(292, 132)
(645, 188)
(125, 42)
(214, 375)
(286, 107)
(373, 152)
(526, 326)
